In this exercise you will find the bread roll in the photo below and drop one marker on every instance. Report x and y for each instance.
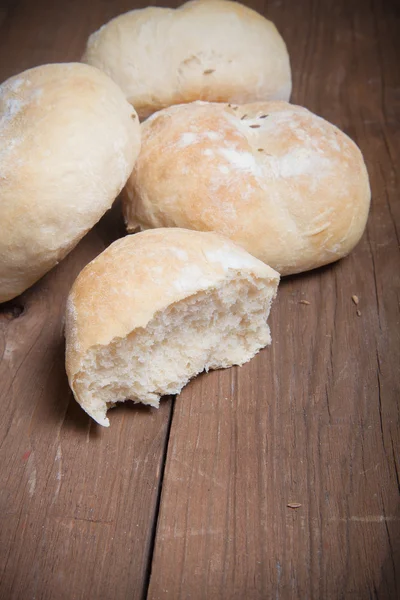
(205, 50)
(156, 308)
(68, 141)
(289, 187)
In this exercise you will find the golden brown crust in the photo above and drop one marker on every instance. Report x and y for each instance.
(141, 274)
(288, 186)
(69, 140)
(205, 50)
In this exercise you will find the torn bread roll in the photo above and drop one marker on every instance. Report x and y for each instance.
(288, 186)
(157, 308)
(69, 140)
(204, 50)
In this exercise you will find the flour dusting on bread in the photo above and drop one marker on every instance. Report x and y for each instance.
(268, 179)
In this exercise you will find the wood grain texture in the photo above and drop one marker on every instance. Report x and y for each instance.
(77, 502)
(312, 420)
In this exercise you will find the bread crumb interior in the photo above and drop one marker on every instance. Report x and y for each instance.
(212, 329)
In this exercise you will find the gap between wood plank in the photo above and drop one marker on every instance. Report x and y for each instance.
(153, 536)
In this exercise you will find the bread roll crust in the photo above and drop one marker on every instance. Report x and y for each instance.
(69, 140)
(146, 272)
(135, 279)
(288, 186)
(205, 50)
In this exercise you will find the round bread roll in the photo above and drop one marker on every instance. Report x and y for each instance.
(157, 308)
(205, 50)
(289, 187)
(68, 141)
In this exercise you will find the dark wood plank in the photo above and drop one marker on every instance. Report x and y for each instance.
(6, 6)
(315, 418)
(77, 502)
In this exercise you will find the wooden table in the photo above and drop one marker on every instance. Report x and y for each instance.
(191, 501)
